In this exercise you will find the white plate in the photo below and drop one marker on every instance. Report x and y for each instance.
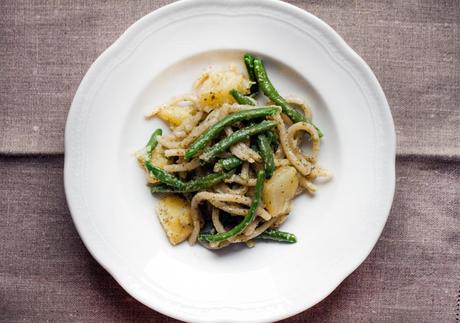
(159, 57)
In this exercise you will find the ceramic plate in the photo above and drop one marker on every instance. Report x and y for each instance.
(159, 57)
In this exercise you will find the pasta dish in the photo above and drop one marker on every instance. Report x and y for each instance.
(236, 156)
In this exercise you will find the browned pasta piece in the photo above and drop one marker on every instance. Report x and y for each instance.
(302, 166)
(314, 139)
(184, 167)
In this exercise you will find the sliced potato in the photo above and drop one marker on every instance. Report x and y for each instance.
(279, 190)
(214, 86)
(174, 215)
(175, 115)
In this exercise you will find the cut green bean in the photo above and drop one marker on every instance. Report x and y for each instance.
(249, 62)
(153, 141)
(267, 154)
(163, 176)
(274, 234)
(241, 98)
(215, 129)
(193, 185)
(272, 137)
(248, 218)
(230, 163)
(269, 90)
(206, 181)
(240, 135)
(163, 188)
(269, 234)
(203, 237)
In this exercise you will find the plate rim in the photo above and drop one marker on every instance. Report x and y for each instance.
(123, 278)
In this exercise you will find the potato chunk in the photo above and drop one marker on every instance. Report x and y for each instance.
(279, 190)
(214, 86)
(175, 115)
(174, 215)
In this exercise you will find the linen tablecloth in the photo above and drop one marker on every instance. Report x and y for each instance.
(413, 273)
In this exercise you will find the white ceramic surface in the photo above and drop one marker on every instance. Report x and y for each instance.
(159, 57)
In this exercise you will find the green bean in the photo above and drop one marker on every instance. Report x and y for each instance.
(163, 188)
(248, 218)
(239, 135)
(163, 176)
(269, 90)
(193, 185)
(207, 181)
(269, 234)
(272, 137)
(241, 98)
(267, 154)
(153, 142)
(204, 236)
(274, 234)
(230, 163)
(249, 62)
(215, 129)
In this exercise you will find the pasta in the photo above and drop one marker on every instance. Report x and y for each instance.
(229, 169)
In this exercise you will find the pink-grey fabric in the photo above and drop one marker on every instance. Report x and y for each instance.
(46, 273)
